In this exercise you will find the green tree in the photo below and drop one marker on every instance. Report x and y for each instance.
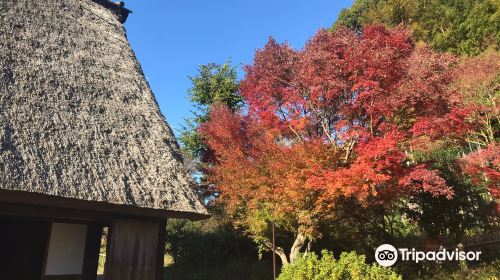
(213, 84)
(461, 27)
(470, 209)
(213, 248)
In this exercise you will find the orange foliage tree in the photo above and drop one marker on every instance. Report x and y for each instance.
(339, 118)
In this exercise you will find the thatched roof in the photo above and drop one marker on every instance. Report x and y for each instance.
(77, 118)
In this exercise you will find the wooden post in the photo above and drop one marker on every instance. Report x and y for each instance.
(136, 250)
(274, 253)
(92, 250)
(463, 263)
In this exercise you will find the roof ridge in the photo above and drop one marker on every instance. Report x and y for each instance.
(118, 8)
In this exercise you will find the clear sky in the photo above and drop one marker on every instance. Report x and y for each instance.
(171, 38)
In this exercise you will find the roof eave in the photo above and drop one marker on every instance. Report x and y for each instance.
(113, 210)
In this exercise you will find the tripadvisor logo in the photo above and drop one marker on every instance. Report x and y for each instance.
(387, 255)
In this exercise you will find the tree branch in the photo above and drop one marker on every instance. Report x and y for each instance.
(349, 149)
(279, 251)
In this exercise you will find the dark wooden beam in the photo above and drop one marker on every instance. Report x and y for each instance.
(101, 208)
(52, 214)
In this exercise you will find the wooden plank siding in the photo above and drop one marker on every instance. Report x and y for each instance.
(136, 250)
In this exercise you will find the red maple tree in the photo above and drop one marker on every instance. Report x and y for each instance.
(338, 118)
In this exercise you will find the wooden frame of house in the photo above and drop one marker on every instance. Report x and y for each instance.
(83, 146)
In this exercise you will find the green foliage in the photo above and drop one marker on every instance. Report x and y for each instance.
(483, 272)
(348, 266)
(230, 270)
(462, 27)
(214, 83)
(212, 249)
(470, 209)
(192, 143)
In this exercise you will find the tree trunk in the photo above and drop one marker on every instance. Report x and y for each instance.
(279, 251)
(299, 242)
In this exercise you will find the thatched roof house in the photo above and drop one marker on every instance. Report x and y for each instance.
(82, 139)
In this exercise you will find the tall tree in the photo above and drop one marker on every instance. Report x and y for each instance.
(462, 27)
(331, 120)
(214, 83)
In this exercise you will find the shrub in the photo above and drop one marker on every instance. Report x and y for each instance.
(481, 272)
(348, 266)
(212, 249)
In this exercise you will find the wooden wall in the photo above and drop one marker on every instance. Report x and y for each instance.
(136, 250)
(22, 248)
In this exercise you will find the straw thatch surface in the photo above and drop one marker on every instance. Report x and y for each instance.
(77, 118)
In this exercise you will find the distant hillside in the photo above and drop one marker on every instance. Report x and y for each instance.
(461, 27)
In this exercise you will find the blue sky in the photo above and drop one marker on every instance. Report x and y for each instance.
(171, 38)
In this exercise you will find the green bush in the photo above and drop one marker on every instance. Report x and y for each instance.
(348, 266)
(480, 272)
(212, 249)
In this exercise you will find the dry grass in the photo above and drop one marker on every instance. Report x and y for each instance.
(77, 117)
